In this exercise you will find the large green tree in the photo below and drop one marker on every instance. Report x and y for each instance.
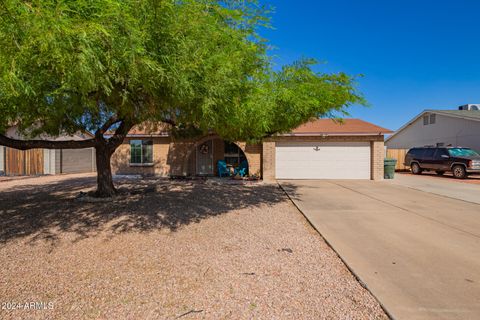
(197, 65)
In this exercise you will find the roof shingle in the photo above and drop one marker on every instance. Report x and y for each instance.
(343, 127)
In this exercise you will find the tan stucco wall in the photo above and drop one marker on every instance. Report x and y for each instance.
(177, 158)
(218, 152)
(161, 157)
(253, 152)
(376, 147)
(268, 161)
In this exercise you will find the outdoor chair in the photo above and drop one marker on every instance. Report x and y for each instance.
(223, 171)
(242, 169)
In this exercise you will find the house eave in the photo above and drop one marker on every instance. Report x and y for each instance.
(142, 136)
(330, 134)
(439, 112)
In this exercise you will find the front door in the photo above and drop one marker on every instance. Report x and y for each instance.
(205, 158)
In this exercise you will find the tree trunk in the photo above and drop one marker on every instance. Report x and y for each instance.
(105, 187)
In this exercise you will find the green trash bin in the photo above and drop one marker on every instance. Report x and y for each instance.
(389, 168)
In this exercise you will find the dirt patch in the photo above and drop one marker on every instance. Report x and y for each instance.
(193, 250)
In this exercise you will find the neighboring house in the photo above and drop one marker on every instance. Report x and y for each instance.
(320, 149)
(439, 128)
(46, 161)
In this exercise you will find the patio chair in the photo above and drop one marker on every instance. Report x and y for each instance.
(242, 169)
(222, 169)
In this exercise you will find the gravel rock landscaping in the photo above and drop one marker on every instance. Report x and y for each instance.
(168, 250)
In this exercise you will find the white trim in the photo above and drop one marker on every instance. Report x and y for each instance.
(319, 134)
(46, 161)
(141, 164)
(133, 136)
(155, 135)
(455, 115)
(53, 168)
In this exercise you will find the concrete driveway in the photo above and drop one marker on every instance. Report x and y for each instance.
(418, 252)
(467, 190)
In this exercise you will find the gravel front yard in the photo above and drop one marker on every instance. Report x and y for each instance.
(188, 250)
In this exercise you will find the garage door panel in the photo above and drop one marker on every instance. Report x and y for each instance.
(306, 160)
(77, 160)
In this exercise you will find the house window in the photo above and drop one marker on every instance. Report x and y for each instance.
(432, 118)
(141, 152)
(233, 155)
(425, 120)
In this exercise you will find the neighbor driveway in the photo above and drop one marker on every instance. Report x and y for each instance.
(467, 189)
(418, 252)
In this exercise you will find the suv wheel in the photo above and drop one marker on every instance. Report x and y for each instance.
(459, 172)
(440, 173)
(416, 168)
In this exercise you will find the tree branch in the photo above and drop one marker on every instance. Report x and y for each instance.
(119, 134)
(46, 144)
(110, 122)
(269, 134)
(170, 122)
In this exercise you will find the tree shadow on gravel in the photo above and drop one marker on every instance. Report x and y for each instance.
(45, 212)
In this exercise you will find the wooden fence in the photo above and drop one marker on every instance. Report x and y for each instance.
(21, 163)
(399, 155)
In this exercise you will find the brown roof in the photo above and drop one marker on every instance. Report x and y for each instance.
(343, 127)
(147, 129)
(315, 127)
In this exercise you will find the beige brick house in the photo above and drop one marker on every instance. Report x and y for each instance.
(320, 149)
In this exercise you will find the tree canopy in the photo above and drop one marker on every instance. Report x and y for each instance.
(198, 65)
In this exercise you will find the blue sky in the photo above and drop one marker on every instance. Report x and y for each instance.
(414, 55)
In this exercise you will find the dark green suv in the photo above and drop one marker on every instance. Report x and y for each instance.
(460, 161)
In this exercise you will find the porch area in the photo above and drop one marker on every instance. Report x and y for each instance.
(163, 156)
(214, 157)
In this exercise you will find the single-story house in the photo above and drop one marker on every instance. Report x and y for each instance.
(320, 149)
(439, 128)
(46, 161)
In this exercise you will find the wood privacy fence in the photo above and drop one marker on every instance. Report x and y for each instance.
(20, 163)
(399, 155)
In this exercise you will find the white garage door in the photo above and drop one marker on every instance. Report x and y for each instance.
(327, 160)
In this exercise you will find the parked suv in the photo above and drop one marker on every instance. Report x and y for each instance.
(460, 161)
